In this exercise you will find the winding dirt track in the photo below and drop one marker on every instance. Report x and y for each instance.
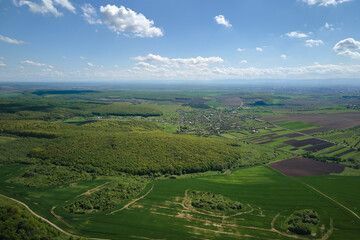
(47, 221)
(133, 201)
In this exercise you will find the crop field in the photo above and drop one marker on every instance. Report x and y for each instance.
(301, 167)
(165, 212)
(330, 120)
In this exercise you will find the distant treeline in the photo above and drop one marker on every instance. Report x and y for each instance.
(47, 92)
(44, 109)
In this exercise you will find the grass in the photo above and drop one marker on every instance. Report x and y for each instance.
(266, 190)
(349, 172)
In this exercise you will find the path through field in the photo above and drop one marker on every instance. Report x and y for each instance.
(47, 221)
(352, 212)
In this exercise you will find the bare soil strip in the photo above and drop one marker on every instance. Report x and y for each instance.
(91, 191)
(133, 201)
(47, 221)
(345, 152)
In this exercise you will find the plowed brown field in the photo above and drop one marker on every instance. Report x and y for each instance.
(301, 167)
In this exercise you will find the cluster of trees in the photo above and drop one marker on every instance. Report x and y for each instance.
(39, 175)
(146, 152)
(15, 150)
(107, 197)
(322, 158)
(50, 109)
(212, 202)
(125, 109)
(18, 223)
(302, 221)
(110, 147)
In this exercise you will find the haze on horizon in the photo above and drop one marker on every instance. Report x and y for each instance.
(179, 41)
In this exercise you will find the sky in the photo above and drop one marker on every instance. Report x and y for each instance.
(179, 40)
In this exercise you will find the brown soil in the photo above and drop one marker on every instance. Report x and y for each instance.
(273, 118)
(300, 167)
(319, 147)
(330, 120)
(345, 152)
(314, 130)
(301, 143)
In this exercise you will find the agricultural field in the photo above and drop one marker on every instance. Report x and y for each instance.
(209, 164)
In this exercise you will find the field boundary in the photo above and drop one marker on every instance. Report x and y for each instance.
(341, 205)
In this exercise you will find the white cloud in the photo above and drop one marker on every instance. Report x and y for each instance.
(259, 49)
(2, 64)
(123, 20)
(283, 56)
(89, 14)
(32, 63)
(46, 6)
(90, 64)
(312, 43)
(10, 40)
(329, 26)
(348, 47)
(198, 61)
(66, 4)
(325, 3)
(243, 61)
(240, 49)
(296, 34)
(82, 58)
(220, 19)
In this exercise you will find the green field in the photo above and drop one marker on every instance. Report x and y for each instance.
(268, 196)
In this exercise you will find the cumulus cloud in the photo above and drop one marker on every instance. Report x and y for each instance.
(348, 47)
(325, 3)
(46, 6)
(259, 49)
(296, 34)
(198, 61)
(82, 58)
(90, 64)
(240, 49)
(124, 20)
(283, 56)
(243, 61)
(10, 40)
(312, 43)
(220, 19)
(89, 14)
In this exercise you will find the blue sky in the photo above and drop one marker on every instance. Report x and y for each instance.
(68, 40)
